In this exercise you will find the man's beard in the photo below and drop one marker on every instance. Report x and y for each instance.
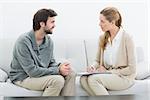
(48, 32)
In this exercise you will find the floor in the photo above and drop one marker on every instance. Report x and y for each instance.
(110, 97)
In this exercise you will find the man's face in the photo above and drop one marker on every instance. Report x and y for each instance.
(50, 24)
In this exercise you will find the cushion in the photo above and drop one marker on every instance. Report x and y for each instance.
(71, 49)
(9, 89)
(6, 52)
(148, 77)
(142, 71)
(139, 87)
(3, 76)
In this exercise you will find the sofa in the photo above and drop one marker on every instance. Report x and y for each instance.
(81, 53)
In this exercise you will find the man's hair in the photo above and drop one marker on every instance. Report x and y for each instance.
(42, 16)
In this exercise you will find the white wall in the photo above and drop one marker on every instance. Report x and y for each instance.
(76, 18)
(149, 34)
(1, 22)
(148, 4)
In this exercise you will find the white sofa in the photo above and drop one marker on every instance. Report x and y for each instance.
(74, 50)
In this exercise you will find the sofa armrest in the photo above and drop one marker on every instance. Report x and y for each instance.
(3, 76)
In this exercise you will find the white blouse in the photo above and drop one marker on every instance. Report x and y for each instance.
(111, 49)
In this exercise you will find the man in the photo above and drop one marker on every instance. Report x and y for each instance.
(33, 66)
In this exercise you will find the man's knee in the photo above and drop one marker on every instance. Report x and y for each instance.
(72, 74)
(58, 81)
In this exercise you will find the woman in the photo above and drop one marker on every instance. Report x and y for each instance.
(115, 55)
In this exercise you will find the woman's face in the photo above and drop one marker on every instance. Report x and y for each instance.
(104, 23)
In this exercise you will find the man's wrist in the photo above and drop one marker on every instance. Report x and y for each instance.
(59, 64)
(59, 68)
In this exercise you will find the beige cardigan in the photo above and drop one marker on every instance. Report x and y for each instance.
(125, 65)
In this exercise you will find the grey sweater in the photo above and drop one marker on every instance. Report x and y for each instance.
(30, 60)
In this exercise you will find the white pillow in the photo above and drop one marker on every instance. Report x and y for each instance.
(143, 71)
(3, 76)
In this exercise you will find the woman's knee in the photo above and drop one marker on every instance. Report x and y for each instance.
(83, 80)
(92, 78)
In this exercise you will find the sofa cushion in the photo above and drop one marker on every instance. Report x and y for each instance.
(3, 75)
(91, 46)
(139, 87)
(72, 50)
(75, 54)
(6, 51)
(9, 89)
(143, 71)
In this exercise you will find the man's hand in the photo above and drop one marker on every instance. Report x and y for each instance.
(65, 68)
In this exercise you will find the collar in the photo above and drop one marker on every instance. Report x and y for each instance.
(33, 40)
(118, 35)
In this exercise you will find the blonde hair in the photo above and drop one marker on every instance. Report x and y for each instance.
(111, 14)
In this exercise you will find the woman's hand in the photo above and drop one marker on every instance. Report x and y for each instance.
(101, 69)
(91, 69)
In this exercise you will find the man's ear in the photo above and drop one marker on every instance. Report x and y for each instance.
(113, 22)
(42, 24)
